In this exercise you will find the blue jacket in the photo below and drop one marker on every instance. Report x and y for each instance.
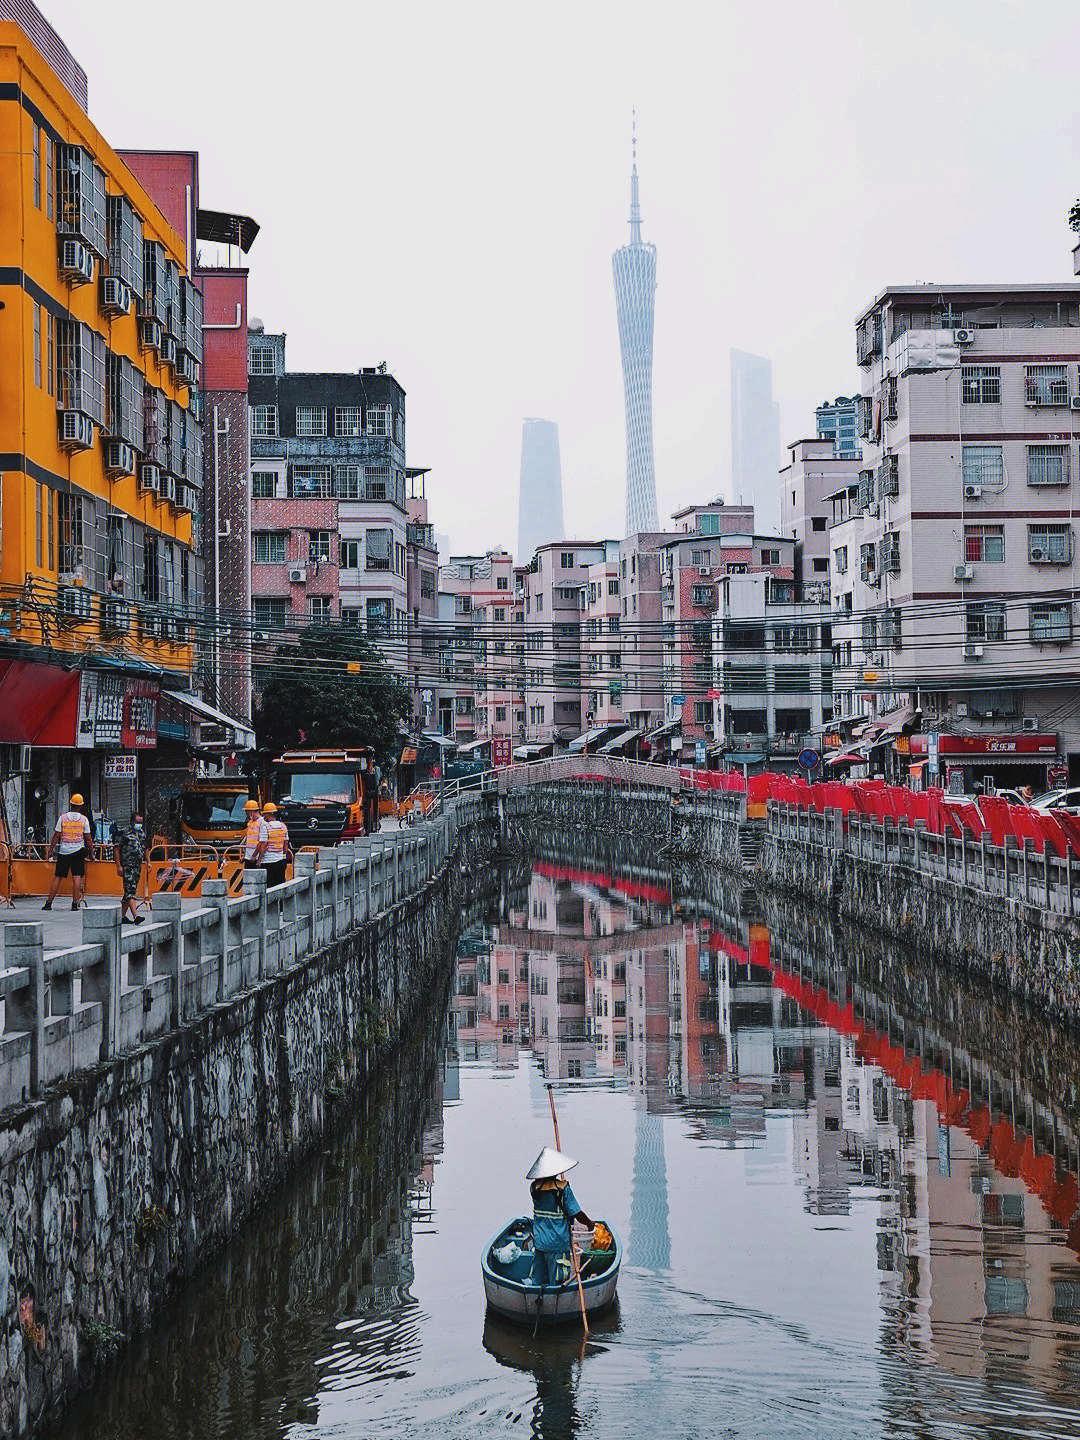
(553, 1208)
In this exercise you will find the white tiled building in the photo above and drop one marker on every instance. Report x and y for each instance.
(953, 575)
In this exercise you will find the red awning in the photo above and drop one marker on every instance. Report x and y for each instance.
(39, 704)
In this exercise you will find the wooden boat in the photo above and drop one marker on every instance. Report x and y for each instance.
(510, 1290)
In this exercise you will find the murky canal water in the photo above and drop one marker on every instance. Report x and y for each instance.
(823, 1236)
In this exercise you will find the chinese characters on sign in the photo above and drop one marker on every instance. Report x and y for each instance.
(140, 714)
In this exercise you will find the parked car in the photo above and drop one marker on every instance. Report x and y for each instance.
(1067, 798)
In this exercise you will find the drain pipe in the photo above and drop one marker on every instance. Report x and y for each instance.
(222, 429)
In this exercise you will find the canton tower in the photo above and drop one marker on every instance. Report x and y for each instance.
(635, 288)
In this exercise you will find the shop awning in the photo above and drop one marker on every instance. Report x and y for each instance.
(745, 757)
(433, 737)
(39, 704)
(243, 737)
(856, 756)
(668, 728)
(532, 752)
(617, 742)
(471, 746)
(590, 737)
(894, 722)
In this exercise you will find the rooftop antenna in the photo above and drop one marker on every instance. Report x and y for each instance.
(635, 208)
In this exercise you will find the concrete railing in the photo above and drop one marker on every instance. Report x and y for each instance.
(62, 1011)
(1011, 871)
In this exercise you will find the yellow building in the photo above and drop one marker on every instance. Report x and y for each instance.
(100, 434)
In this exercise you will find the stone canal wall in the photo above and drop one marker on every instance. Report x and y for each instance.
(117, 1182)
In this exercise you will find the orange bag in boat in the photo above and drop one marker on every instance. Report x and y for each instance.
(602, 1237)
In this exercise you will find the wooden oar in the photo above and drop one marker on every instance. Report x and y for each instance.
(569, 1223)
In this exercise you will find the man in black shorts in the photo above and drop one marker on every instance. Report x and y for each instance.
(71, 842)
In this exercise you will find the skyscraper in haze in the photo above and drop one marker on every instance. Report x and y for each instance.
(540, 513)
(755, 439)
(635, 290)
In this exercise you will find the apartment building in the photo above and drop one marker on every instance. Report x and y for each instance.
(100, 428)
(838, 421)
(954, 579)
(422, 600)
(601, 643)
(328, 511)
(692, 565)
(772, 670)
(814, 472)
(552, 586)
(476, 646)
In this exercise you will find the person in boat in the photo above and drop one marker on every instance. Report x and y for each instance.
(555, 1208)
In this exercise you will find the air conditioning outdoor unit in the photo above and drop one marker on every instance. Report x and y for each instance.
(705, 571)
(963, 572)
(149, 476)
(119, 458)
(76, 430)
(167, 488)
(972, 492)
(19, 759)
(116, 616)
(76, 603)
(115, 296)
(1029, 723)
(76, 262)
(187, 368)
(973, 652)
(1036, 554)
(297, 574)
(1074, 402)
(168, 351)
(964, 337)
(150, 334)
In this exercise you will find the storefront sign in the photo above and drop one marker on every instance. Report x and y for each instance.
(500, 750)
(121, 767)
(140, 710)
(1001, 747)
(902, 745)
(109, 710)
(699, 752)
(832, 740)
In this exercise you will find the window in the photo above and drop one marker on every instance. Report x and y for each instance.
(318, 608)
(1048, 465)
(311, 420)
(37, 339)
(703, 596)
(770, 557)
(840, 559)
(319, 546)
(261, 360)
(613, 624)
(50, 351)
(1046, 384)
(351, 615)
(376, 482)
(37, 168)
(983, 465)
(566, 559)
(703, 712)
(377, 546)
(347, 482)
(709, 524)
(40, 522)
(1049, 544)
(818, 522)
(502, 582)
(980, 384)
(264, 421)
(613, 587)
(500, 714)
(984, 621)
(50, 176)
(1051, 622)
(821, 567)
(270, 614)
(378, 616)
(268, 547)
(378, 419)
(311, 481)
(262, 484)
(350, 554)
(984, 544)
(701, 557)
(793, 637)
(347, 420)
(536, 714)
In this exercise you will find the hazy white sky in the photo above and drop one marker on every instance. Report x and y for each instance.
(441, 186)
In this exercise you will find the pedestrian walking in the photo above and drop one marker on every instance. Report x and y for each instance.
(129, 852)
(255, 836)
(72, 842)
(277, 852)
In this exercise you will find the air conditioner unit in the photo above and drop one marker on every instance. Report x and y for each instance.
(76, 430)
(151, 623)
(1029, 723)
(963, 572)
(115, 296)
(973, 652)
(116, 616)
(964, 337)
(150, 334)
(704, 571)
(1036, 555)
(19, 759)
(297, 574)
(167, 488)
(874, 578)
(187, 368)
(149, 476)
(972, 492)
(1074, 402)
(119, 458)
(76, 603)
(76, 262)
(168, 351)
(186, 498)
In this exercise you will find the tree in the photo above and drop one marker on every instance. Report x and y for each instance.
(329, 686)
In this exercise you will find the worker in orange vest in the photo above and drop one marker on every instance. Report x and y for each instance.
(254, 836)
(72, 841)
(277, 851)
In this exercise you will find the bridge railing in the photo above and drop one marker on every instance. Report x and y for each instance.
(64, 1010)
(611, 768)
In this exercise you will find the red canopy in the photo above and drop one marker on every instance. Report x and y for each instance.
(39, 704)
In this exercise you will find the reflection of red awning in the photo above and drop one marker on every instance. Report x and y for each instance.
(39, 704)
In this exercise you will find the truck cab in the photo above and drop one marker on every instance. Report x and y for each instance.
(211, 811)
(325, 796)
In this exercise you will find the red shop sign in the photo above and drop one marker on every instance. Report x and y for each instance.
(989, 745)
(141, 699)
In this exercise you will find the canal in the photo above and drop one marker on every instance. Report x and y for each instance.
(824, 1235)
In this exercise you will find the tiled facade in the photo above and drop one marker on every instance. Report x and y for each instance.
(814, 473)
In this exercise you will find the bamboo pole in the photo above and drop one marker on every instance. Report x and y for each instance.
(569, 1223)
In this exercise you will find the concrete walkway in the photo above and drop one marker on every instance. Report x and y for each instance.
(63, 926)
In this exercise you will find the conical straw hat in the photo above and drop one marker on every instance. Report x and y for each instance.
(550, 1163)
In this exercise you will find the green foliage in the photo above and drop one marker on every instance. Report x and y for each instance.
(309, 697)
(106, 1340)
(154, 1220)
(1074, 217)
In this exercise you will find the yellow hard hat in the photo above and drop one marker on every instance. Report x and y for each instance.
(269, 808)
(76, 800)
(251, 804)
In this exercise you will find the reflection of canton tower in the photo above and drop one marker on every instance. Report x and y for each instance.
(635, 288)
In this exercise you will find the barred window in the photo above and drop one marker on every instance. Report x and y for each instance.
(1049, 544)
(984, 543)
(263, 484)
(981, 384)
(268, 547)
(318, 608)
(347, 482)
(270, 614)
(311, 482)
(347, 420)
(377, 482)
(264, 421)
(377, 545)
(1048, 464)
(983, 465)
(984, 620)
(261, 360)
(1046, 384)
(311, 420)
(1051, 622)
(378, 419)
